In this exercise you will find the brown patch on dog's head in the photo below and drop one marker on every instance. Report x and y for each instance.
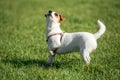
(59, 17)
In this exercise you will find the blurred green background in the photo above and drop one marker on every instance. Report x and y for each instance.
(23, 49)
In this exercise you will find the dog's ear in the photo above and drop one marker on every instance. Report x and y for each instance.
(62, 18)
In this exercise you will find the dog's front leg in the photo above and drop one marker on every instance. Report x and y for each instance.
(51, 56)
(51, 52)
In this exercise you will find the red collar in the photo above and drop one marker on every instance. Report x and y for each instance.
(55, 34)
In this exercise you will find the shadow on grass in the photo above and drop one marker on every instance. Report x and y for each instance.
(39, 63)
(32, 62)
(29, 63)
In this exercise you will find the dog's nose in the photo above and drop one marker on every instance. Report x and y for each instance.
(50, 11)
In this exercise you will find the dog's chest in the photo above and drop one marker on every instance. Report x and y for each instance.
(54, 42)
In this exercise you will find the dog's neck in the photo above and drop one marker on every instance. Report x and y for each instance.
(53, 27)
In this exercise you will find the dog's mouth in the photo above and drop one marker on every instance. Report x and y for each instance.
(49, 13)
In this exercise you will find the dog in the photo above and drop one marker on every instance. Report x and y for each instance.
(63, 42)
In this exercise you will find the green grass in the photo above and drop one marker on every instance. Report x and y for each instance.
(23, 49)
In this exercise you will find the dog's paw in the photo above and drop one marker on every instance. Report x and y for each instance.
(86, 59)
(49, 64)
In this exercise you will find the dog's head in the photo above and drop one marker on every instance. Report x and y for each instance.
(54, 17)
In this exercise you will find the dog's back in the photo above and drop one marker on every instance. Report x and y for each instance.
(73, 42)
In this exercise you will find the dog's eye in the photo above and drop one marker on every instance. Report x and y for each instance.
(56, 14)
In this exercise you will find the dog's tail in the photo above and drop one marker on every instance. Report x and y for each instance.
(101, 30)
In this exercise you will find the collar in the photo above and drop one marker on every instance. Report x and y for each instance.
(54, 35)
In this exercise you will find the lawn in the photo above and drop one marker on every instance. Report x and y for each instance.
(23, 47)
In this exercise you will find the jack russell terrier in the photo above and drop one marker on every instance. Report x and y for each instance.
(63, 42)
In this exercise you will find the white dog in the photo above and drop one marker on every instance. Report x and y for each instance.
(62, 42)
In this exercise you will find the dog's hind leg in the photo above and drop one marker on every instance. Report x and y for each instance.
(86, 49)
(86, 55)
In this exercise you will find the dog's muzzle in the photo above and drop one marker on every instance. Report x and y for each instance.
(49, 13)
